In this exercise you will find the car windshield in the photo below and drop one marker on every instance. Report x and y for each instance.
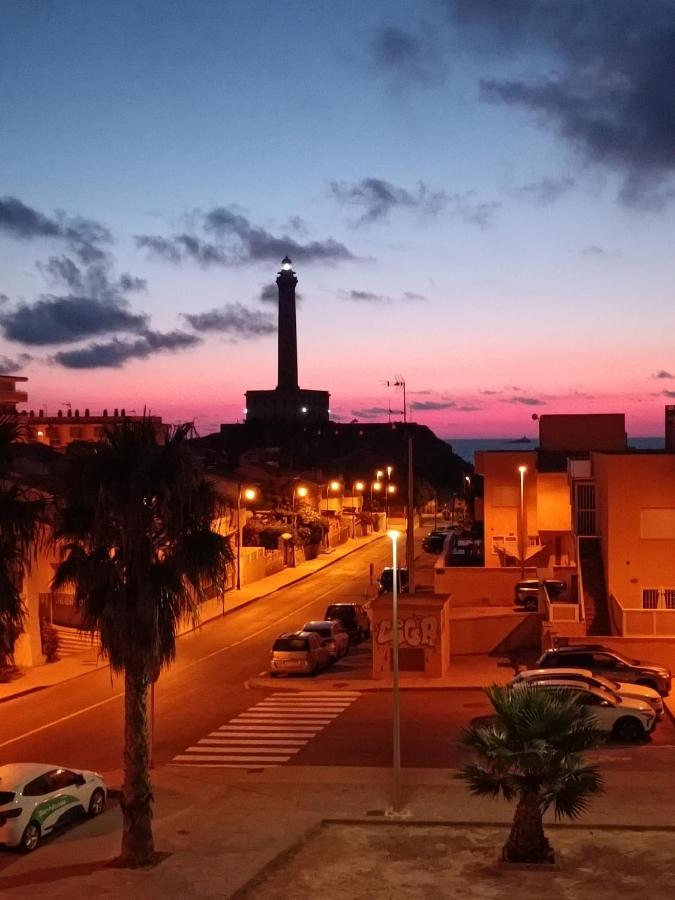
(5, 797)
(339, 612)
(289, 645)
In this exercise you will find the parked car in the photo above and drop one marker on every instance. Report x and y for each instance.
(603, 661)
(585, 676)
(387, 579)
(333, 636)
(353, 617)
(526, 593)
(37, 799)
(434, 541)
(625, 719)
(298, 652)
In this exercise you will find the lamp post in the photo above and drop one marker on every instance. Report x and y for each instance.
(356, 486)
(522, 470)
(391, 490)
(249, 493)
(299, 491)
(396, 735)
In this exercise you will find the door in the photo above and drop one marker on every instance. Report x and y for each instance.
(63, 802)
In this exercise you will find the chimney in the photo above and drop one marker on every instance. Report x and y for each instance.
(670, 429)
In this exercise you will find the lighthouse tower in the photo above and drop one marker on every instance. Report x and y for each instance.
(288, 402)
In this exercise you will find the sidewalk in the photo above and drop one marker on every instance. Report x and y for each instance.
(219, 829)
(39, 677)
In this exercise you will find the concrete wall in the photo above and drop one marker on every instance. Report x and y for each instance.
(422, 635)
(477, 586)
(632, 490)
(554, 507)
(501, 632)
(501, 496)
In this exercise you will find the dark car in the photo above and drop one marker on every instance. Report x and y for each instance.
(434, 541)
(603, 661)
(353, 618)
(526, 593)
(387, 580)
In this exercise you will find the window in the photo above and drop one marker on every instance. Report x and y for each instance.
(658, 598)
(290, 645)
(669, 597)
(62, 778)
(650, 598)
(37, 787)
(603, 661)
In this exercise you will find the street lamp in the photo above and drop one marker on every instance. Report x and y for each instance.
(248, 494)
(391, 490)
(299, 491)
(375, 486)
(379, 474)
(394, 535)
(522, 470)
(357, 486)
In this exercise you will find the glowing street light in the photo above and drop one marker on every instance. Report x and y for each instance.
(522, 470)
(394, 535)
(357, 487)
(391, 490)
(247, 494)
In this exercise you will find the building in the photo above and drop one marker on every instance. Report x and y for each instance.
(9, 396)
(287, 402)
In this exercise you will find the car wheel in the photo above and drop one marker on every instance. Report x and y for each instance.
(628, 730)
(30, 838)
(647, 682)
(531, 605)
(274, 674)
(96, 803)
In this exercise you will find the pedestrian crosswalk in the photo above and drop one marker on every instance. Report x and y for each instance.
(269, 733)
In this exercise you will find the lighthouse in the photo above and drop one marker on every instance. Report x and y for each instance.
(288, 402)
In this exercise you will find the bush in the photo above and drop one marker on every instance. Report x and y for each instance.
(50, 641)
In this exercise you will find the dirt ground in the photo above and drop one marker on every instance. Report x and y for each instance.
(433, 862)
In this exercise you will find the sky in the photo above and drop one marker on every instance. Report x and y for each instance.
(478, 199)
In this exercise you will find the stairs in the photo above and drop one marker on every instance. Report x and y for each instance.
(72, 641)
(595, 590)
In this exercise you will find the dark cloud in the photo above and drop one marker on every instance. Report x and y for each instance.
(488, 393)
(411, 56)
(593, 250)
(429, 405)
(83, 237)
(424, 393)
(662, 373)
(526, 401)
(412, 297)
(378, 198)
(604, 81)
(269, 293)
(233, 319)
(468, 408)
(11, 364)
(670, 394)
(365, 297)
(233, 239)
(62, 320)
(113, 354)
(546, 190)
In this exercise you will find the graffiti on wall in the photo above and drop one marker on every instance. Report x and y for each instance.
(415, 631)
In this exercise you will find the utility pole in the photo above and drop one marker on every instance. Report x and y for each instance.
(410, 529)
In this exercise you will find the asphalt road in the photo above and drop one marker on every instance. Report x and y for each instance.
(80, 722)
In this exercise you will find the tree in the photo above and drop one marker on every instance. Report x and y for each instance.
(137, 543)
(21, 516)
(531, 753)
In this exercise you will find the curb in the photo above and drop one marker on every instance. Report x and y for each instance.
(262, 682)
(221, 615)
(463, 823)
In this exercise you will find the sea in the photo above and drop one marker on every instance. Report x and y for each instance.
(466, 447)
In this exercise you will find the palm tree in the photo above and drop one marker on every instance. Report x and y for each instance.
(21, 516)
(137, 544)
(531, 753)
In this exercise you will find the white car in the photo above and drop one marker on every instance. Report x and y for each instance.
(333, 636)
(625, 719)
(585, 676)
(35, 799)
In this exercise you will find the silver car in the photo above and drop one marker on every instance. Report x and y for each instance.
(333, 636)
(298, 652)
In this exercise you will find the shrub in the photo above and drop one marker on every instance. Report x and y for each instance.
(50, 641)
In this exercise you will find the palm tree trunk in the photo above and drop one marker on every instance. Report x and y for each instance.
(527, 842)
(138, 847)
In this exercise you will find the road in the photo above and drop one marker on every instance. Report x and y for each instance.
(204, 716)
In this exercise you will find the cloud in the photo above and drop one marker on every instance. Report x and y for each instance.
(269, 293)
(63, 320)
(371, 412)
(410, 56)
(670, 394)
(364, 297)
(546, 190)
(233, 239)
(377, 198)
(233, 319)
(113, 354)
(412, 297)
(420, 393)
(429, 405)
(488, 393)
(83, 237)
(468, 408)
(662, 373)
(526, 401)
(11, 364)
(593, 250)
(604, 82)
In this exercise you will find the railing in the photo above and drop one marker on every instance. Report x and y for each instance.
(581, 601)
(636, 622)
(557, 612)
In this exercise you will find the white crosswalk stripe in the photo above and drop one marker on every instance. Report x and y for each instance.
(268, 734)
